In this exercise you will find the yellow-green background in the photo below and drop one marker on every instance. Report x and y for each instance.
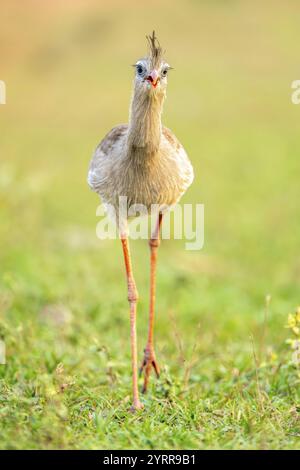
(227, 380)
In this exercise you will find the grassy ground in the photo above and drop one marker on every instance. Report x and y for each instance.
(227, 375)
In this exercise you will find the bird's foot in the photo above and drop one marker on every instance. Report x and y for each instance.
(149, 361)
(136, 407)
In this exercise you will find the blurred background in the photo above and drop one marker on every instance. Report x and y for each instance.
(66, 65)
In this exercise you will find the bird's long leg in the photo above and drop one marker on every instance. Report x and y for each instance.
(149, 356)
(132, 298)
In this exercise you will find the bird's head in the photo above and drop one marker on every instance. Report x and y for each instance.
(151, 72)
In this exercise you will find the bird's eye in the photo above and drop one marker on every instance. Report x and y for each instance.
(139, 69)
(164, 72)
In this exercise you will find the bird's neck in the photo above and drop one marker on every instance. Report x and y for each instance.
(145, 128)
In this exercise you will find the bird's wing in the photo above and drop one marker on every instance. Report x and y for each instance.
(180, 158)
(107, 147)
(172, 139)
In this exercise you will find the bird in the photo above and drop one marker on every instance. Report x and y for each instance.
(144, 162)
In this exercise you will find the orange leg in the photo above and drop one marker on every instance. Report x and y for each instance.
(149, 356)
(132, 298)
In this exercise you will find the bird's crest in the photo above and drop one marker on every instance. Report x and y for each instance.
(155, 50)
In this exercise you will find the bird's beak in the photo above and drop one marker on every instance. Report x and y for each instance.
(153, 78)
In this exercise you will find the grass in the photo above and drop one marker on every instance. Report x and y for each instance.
(228, 380)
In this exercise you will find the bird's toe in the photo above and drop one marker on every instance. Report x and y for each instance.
(136, 407)
(148, 363)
